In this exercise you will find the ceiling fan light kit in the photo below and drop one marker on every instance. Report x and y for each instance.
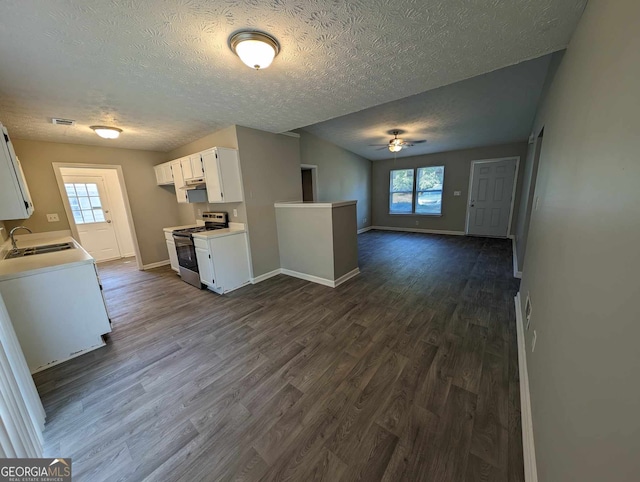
(396, 144)
(256, 49)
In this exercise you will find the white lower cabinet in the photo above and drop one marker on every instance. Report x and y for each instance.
(173, 254)
(223, 261)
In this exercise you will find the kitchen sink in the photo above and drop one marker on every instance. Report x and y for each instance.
(47, 248)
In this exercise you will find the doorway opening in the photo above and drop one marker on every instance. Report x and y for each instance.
(492, 186)
(530, 196)
(309, 174)
(97, 207)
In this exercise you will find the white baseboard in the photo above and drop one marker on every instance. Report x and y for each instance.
(309, 277)
(528, 446)
(418, 230)
(364, 230)
(266, 276)
(346, 277)
(516, 273)
(306, 277)
(156, 265)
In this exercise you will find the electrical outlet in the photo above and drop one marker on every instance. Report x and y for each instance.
(527, 311)
(364, 220)
(536, 203)
(533, 341)
(200, 212)
(417, 223)
(235, 213)
(457, 193)
(53, 218)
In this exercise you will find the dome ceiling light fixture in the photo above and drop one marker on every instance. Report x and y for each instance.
(107, 132)
(256, 49)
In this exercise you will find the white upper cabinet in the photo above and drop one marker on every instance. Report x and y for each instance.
(163, 174)
(222, 175)
(197, 169)
(178, 181)
(15, 200)
(218, 168)
(185, 164)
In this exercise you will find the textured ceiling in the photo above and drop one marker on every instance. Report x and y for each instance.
(489, 109)
(161, 69)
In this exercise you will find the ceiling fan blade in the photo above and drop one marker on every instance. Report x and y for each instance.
(377, 145)
(381, 148)
(421, 141)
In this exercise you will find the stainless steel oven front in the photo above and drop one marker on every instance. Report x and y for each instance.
(187, 261)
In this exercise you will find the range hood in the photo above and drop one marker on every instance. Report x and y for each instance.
(194, 183)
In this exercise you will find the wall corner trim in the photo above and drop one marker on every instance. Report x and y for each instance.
(346, 277)
(266, 276)
(156, 265)
(516, 273)
(364, 230)
(528, 447)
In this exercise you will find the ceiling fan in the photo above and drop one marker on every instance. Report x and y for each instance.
(397, 144)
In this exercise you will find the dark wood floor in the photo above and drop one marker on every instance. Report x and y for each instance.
(406, 372)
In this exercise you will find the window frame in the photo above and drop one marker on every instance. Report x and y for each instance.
(414, 193)
(88, 197)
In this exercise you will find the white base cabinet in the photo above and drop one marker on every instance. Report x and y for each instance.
(57, 314)
(223, 261)
(173, 254)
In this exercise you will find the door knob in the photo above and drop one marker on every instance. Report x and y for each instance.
(109, 221)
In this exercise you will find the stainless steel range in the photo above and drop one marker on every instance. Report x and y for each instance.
(185, 247)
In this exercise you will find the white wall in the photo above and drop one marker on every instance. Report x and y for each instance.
(583, 256)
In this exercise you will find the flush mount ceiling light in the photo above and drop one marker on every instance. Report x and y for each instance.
(256, 49)
(107, 132)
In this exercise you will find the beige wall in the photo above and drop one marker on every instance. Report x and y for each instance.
(345, 240)
(582, 259)
(457, 166)
(189, 212)
(342, 175)
(152, 207)
(305, 240)
(270, 172)
(318, 240)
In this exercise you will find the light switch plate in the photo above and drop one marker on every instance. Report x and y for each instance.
(457, 193)
(53, 218)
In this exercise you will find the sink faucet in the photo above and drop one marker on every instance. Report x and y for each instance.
(13, 240)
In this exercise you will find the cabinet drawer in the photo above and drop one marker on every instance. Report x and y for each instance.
(201, 243)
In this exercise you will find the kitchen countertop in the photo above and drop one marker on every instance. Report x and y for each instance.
(30, 265)
(186, 226)
(312, 205)
(218, 233)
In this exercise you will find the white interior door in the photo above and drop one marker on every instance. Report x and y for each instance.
(490, 200)
(91, 214)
